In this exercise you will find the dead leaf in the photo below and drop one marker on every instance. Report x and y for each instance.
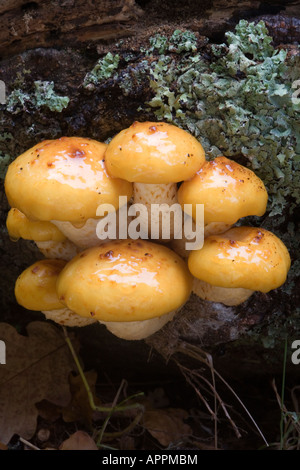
(79, 408)
(48, 411)
(80, 440)
(37, 367)
(167, 425)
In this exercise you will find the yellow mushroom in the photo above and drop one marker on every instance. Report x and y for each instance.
(133, 287)
(35, 289)
(231, 266)
(154, 156)
(228, 190)
(48, 238)
(64, 181)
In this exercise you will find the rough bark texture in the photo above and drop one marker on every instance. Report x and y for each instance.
(61, 44)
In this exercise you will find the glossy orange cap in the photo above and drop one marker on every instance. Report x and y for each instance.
(248, 257)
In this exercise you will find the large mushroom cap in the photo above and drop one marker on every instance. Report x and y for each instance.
(243, 257)
(35, 288)
(125, 281)
(63, 179)
(154, 152)
(228, 190)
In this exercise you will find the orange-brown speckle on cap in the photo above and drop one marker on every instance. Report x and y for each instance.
(228, 190)
(63, 179)
(246, 257)
(35, 288)
(154, 153)
(102, 281)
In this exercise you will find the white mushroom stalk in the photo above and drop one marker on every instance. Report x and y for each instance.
(82, 235)
(137, 330)
(57, 250)
(65, 317)
(230, 296)
(155, 219)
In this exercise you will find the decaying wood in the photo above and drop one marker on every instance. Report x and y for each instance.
(25, 25)
(30, 24)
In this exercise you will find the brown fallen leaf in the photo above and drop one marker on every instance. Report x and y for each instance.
(80, 440)
(167, 425)
(79, 408)
(37, 367)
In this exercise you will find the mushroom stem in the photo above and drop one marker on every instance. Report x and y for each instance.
(87, 235)
(136, 330)
(66, 317)
(83, 236)
(60, 250)
(179, 245)
(149, 194)
(230, 296)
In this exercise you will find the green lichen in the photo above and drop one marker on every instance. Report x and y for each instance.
(6, 140)
(238, 103)
(43, 94)
(180, 41)
(103, 70)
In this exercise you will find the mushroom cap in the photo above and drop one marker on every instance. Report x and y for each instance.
(63, 179)
(248, 257)
(227, 189)
(154, 152)
(126, 280)
(35, 288)
(19, 226)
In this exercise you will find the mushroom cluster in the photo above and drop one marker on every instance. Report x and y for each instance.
(135, 284)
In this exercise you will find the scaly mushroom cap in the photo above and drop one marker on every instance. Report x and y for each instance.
(125, 281)
(63, 179)
(244, 257)
(35, 288)
(154, 152)
(228, 191)
(19, 226)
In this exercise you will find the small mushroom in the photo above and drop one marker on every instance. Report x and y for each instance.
(154, 156)
(48, 238)
(64, 181)
(35, 289)
(228, 190)
(133, 287)
(231, 266)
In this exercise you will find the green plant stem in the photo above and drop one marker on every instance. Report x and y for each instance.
(282, 396)
(106, 409)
